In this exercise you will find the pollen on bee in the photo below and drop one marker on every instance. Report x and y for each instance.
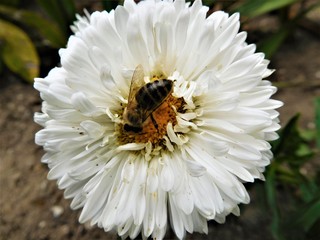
(164, 114)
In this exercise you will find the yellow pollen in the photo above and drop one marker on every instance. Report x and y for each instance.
(164, 114)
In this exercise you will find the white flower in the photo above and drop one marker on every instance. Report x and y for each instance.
(212, 130)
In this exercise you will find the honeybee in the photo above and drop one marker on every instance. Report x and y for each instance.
(143, 100)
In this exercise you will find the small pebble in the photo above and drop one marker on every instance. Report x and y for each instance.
(42, 224)
(44, 185)
(311, 125)
(16, 177)
(57, 211)
(64, 230)
(87, 225)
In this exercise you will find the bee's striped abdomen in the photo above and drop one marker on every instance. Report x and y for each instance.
(151, 95)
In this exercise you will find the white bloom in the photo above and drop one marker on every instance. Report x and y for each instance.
(213, 129)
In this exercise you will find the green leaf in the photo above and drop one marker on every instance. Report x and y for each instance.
(18, 53)
(291, 147)
(272, 202)
(61, 11)
(309, 189)
(309, 214)
(291, 151)
(253, 8)
(283, 147)
(47, 29)
(270, 45)
(304, 151)
(52, 8)
(12, 3)
(69, 9)
(317, 103)
(109, 5)
(308, 134)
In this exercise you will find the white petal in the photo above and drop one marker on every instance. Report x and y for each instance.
(93, 129)
(195, 169)
(131, 147)
(83, 105)
(175, 219)
(166, 178)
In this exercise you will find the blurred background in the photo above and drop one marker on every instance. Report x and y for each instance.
(285, 206)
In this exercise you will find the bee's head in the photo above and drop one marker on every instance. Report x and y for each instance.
(130, 128)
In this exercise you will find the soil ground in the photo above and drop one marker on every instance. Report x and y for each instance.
(31, 207)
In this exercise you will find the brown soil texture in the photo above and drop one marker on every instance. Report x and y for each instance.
(31, 207)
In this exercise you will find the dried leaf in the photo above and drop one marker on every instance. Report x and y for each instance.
(18, 52)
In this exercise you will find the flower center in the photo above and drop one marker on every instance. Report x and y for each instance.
(154, 130)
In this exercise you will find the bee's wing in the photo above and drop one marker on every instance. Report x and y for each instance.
(136, 83)
(145, 114)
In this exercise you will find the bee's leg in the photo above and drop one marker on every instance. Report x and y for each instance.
(154, 121)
